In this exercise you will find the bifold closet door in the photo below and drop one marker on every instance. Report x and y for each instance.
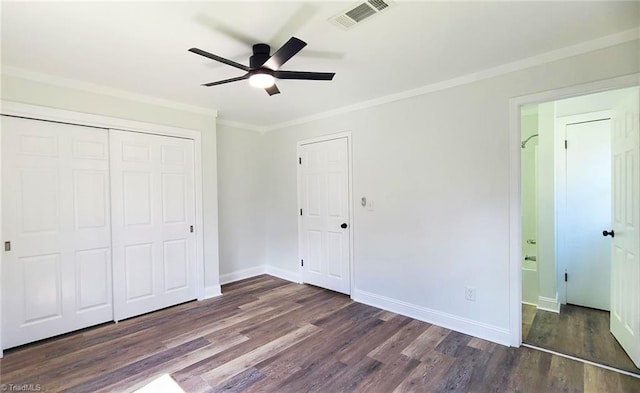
(153, 213)
(56, 265)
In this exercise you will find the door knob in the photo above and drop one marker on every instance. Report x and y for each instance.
(608, 233)
(344, 225)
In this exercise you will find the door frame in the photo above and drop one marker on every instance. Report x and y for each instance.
(84, 119)
(561, 192)
(515, 208)
(325, 138)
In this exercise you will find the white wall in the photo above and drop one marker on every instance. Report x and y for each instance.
(437, 167)
(548, 296)
(241, 202)
(56, 96)
(529, 127)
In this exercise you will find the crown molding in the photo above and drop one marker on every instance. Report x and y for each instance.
(559, 54)
(244, 126)
(89, 87)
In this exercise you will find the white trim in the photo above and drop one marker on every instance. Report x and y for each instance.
(91, 120)
(515, 224)
(257, 271)
(559, 54)
(467, 326)
(242, 274)
(530, 304)
(237, 124)
(2, 253)
(284, 274)
(211, 291)
(59, 81)
(65, 116)
(549, 304)
(324, 138)
(585, 361)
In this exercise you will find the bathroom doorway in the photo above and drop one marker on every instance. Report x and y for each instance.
(567, 228)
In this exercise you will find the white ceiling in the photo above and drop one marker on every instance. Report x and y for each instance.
(141, 47)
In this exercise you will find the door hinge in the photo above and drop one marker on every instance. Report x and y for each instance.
(191, 229)
(566, 276)
(565, 144)
(302, 262)
(7, 246)
(300, 160)
(300, 211)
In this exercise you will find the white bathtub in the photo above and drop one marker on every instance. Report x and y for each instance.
(530, 282)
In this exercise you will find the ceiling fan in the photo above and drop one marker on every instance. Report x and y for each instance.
(264, 68)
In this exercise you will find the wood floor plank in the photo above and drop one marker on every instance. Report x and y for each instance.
(358, 349)
(222, 341)
(389, 376)
(102, 381)
(430, 338)
(566, 375)
(430, 374)
(390, 349)
(265, 334)
(581, 332)
(250, 359)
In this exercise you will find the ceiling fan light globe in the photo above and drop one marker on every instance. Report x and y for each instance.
(261, 81)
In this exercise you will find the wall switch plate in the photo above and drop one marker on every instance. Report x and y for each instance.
(470, 294)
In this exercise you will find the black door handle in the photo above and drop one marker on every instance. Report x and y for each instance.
(608, 233)
(344, 225)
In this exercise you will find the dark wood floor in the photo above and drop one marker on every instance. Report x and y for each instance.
(577, 331)
(268, 335)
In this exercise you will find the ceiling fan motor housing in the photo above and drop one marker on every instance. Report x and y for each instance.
(260, 56)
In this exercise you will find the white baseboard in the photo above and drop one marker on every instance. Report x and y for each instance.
(548, 304)
(284, 274)
(463, 325)
(242, 274)
(529, 304)
(258, 270)
(211, 291)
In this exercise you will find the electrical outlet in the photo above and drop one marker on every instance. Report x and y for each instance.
(470, 294)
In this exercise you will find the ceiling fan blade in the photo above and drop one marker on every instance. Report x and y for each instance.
(314, 76)
(246, 76)
(272, 90)
(287, 51)
(218, 58)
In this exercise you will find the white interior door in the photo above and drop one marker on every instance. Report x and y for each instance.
(625, 272)
(56, 277)
(588, 213)
(153, 214)
(324, 202)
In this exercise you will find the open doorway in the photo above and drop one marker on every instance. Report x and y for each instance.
(574, 187)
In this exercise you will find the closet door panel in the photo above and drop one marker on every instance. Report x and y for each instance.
(57, 276)
(153, 209)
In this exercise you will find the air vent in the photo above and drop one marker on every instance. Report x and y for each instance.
(360, 12)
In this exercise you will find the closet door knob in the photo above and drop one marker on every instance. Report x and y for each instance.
(344, 225)
(608, 233)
